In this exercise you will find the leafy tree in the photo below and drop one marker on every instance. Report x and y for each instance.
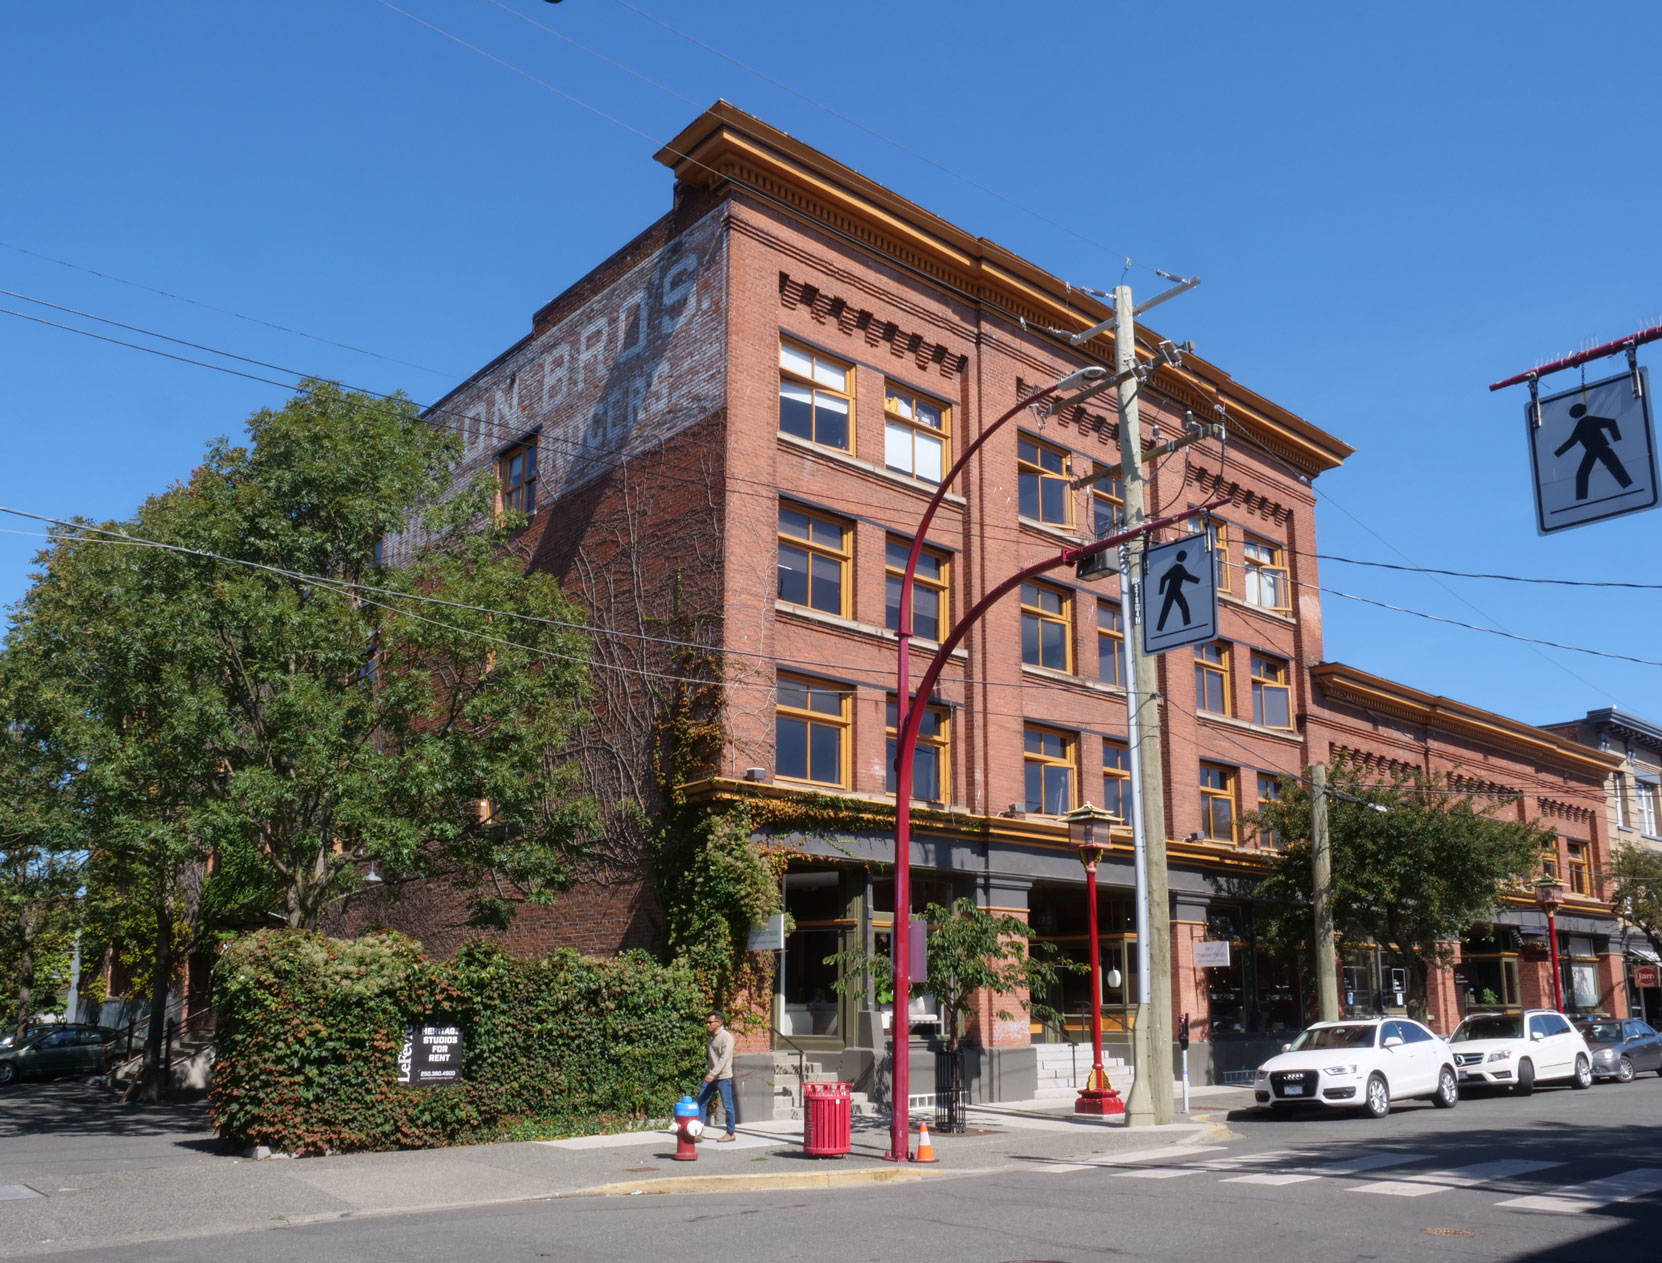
(968, 950)
(41, 853)
(1411, 878)
(1635, 888)
(291, 727)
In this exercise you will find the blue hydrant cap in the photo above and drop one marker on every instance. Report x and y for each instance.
(686, 1107)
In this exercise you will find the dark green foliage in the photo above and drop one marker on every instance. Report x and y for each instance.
(309, 1031)
(1635, 888)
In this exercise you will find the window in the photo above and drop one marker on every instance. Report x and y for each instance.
(1624, 814)
(1217, 536)
(810, 732)
(914, 435)
(929, 608)
(1271, 696)
(813, 560)
(1217, 802)
(518, 471)
(1549, 860)
(1048, 756)
(1045, 477)
(931, 771)
(1045, 626)
(1110, 642)
(1578, 867)
(1212, 677)
(1647, 807)
(1264, 574)
(1116, 779)
(1269, 791)
(1107, 502)
(815, 398)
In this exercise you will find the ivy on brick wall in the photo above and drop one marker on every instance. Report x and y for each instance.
(310, 1028)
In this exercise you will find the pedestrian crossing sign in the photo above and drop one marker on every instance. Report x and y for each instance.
(1593, 452)
(1179, 594)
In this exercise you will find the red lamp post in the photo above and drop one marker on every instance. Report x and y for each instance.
(1089, 831)
(1549, 893)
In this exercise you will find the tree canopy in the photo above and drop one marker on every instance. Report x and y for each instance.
(1635, 888)
(1411, 878)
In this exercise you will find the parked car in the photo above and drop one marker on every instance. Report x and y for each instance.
(45, 1051)
(1366, 1065)
(1622, 1047)
(1519, 1050)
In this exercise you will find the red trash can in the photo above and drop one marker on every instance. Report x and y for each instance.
(827, 1119)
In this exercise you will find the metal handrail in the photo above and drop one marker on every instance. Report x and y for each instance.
(801, 1075)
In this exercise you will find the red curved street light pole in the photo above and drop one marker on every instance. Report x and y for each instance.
(911, 722)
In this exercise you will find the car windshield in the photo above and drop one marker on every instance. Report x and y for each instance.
(1491, 1026)
(1335, 1037)
(1603, 1032)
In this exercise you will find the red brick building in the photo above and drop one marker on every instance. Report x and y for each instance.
(726, 435)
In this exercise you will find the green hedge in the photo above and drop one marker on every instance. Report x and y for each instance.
(309, 1031)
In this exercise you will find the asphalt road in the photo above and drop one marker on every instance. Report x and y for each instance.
(1422, 1184)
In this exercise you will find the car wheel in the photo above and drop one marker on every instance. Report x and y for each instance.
(1377, 1102)
(1447, 1095)
(1583, 1073)
(8, 1072)
(1526, 1078)
(1624, 1070)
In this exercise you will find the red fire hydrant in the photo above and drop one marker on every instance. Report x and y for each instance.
(688, 1128)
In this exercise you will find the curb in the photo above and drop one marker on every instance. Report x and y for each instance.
(757, 1182)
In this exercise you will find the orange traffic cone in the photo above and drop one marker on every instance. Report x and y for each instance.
(926, 1151)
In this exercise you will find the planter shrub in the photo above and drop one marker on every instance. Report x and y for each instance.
(310, 1028)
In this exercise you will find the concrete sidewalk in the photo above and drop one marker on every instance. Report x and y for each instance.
(78, 1171)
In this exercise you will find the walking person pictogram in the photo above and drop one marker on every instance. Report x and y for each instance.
(1589, 433)
(1171, 587)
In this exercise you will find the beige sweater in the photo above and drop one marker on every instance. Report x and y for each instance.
(719, 1054)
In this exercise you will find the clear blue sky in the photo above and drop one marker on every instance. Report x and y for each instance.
(1390, 206)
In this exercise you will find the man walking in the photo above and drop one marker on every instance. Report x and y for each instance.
(718, 1077)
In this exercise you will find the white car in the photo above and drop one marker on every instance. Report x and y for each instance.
(1519, 1050)
(1360, 1065)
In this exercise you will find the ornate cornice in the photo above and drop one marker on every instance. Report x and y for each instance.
(726, 146)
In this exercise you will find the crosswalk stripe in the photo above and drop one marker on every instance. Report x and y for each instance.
(1334, 1170)
(1214, 1164)
(1574, 1199)
(1455, 1177)
(1111, 1160)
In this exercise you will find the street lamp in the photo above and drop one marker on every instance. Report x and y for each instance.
(1089, 829)
(1549, 893)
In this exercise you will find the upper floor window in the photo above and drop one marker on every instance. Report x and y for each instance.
(1044, 475)
(1212, 677)
(1549, 859)
(1271, 694)
(1624, 814)
(1217, 536)
(1107, 502)
(811, 731)
(914, 435)
(1046, 626)
(929, 589)
(1116, 779)
(813, 560)
(1578, 867)
(1110, 642)
(1048, 757)
(1646, 793)
(1269, 791)
(931, 767)
(517, 471)
(816, 397)
(1217, 802)
(1264, 574)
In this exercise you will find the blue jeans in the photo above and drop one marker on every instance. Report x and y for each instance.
(707, 1093)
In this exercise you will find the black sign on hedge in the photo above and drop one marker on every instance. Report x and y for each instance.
(432, 1054)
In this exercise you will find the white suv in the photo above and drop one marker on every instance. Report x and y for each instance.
(1519, 1050)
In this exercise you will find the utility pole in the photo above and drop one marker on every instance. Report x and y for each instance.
(1321, 865)
(1150, 1101)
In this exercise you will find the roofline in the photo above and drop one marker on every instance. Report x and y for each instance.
(1616, 717)
(725, 145)
(1351, 685)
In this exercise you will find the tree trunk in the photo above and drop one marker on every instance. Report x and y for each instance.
(152, 1082)
(25, 987)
